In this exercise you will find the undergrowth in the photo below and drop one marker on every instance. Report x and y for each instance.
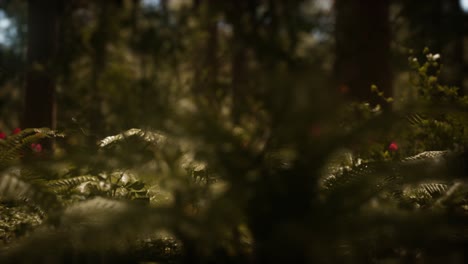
(389, 186)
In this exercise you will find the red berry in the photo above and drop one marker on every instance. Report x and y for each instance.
(393, 146)
(315, 131)
(16, 131)
(38, 148)
(2, 135)
(343, 89)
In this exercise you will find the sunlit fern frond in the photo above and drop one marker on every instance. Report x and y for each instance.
(434, 188)
(61, 185)
(391, 170)
(430, 189)
(358, 185)
(429, 156)
(181, 151)
(442, 165)
(149, 136)
(377, 173)
(416, 119)
(89, 211)
(13, 186)
(104, 225)
(103, 217)
(429, 193)
(394, 177)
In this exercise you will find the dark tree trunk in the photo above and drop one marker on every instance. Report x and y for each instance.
(99, 43)
(238, 82)
(452, 53)
(105, 33)
(135, 17)
(362, 35)
(206, 63)
(465, 53)
(238, 58)
(42, 45)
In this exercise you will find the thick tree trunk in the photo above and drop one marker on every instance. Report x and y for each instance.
(362, 36)
(42, 44)
(104, 34)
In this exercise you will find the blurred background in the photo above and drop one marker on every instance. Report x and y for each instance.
(105, 66)
(265, 130)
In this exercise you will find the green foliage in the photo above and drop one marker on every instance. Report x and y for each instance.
(69, 202)
(225, 193)
(19, 144)
(53, 200)
(426, 79)
(239, 159)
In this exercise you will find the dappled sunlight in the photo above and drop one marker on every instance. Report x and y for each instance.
(206, 131)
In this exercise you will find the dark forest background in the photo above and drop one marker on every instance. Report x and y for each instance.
(242, 131)
(109, 64)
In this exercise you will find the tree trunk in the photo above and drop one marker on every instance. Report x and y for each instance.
(452, 54)
(42, 45)
(238, 60)
(206, 62)
(105, 33)
(362, 35)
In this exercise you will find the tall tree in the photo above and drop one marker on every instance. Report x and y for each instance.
(207, 69)
(362, 35)
(43, 18)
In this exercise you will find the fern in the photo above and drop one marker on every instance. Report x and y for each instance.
(63, 185)
(91, 226)
(82, 226)
(14, 147)
(434, 188)
(416, 119)
(14, 187)
(401, 180)
(152, 137)
(367, 196)
(179, 151)
(425, 193)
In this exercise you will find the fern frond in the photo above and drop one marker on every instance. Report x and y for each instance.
(148, 136)
(441, 165)
(428, 193)
(416, 119)
(61, 185)
(103, 225)
(391, 176)
(429, 156)
(456, 195)
(90, 211)
(377, 172)
(12, 186)
(16, 145)
(434, 188)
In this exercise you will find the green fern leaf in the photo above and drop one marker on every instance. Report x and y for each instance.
(15, 146)
(148, 136)
(62, 185)
(416, 119)
(12, 186)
